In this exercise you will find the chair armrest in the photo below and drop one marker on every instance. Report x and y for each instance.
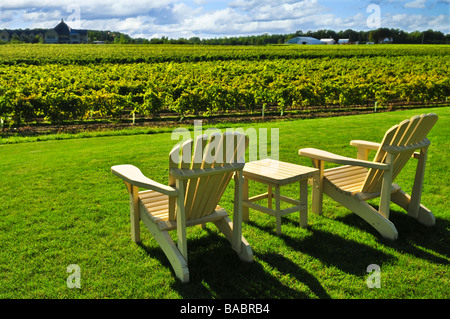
(365, 144)
(338, 159)
(133, 175)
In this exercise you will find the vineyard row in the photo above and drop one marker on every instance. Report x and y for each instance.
(37, 54)
(59, 92)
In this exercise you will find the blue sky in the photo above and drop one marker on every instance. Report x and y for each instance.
(219, 18)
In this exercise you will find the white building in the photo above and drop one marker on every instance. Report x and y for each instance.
(328, 41)
(386, 40)
(304, 40)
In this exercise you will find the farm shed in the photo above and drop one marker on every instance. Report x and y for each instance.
(304, 40)
(328, 41)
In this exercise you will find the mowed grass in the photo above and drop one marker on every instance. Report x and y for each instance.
(60, 205)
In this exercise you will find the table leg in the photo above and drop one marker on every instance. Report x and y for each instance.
(245, 209)
(304, 203)
(269, 196)
(278, 209)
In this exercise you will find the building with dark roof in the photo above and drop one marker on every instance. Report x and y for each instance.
(60, 34)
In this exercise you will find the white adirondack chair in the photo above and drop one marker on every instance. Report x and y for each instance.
(196, 184)
(359, 180)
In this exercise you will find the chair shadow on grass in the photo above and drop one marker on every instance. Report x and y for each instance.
(411, 234)
(216, 271)
(334, 250)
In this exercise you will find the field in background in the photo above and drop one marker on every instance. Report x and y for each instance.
(41, 84)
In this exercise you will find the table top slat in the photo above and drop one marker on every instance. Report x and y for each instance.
(277, 172)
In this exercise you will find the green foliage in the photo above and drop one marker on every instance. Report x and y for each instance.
(62, 83)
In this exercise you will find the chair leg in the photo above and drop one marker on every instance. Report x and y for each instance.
(245, 209)
(134, 212)
(384, 226)
(317, 189)
(416, 194)
(176, 259)
(225, 225)
(402, 199)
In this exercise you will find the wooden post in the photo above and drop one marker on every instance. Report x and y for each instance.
(245, 209)
(416, 194)
(317, 190)
(269, 196)
(174, 159)
(181, 220)
(278, 208)
(304, 203)
(237, 215)
(385, 198)
(134, 212)
(363, 154)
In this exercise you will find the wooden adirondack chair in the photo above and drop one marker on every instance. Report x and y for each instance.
(196, 184)
(360, 180)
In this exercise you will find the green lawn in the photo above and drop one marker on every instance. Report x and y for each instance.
(60, 205)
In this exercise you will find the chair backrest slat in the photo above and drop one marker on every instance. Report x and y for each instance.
(173, 163)
(395, 137)
(374, 174)
(420, 132)
(197, 162)
(407, 133)
(202, 194)
(218, 183)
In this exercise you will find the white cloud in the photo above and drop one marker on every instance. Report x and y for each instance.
(40, 16)
(416, 4)
(276, 11)
(90, 8)
(7, 16)
(416, 22)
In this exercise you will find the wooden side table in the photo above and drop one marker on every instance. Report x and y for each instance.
(275, 174)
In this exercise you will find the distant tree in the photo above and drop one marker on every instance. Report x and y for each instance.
(156, 41)
(415, 37)
(348, 34)
(195, 40)
(38, 39)
(15, 39)
(433, 37)
(398, 36)
(122, 39)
